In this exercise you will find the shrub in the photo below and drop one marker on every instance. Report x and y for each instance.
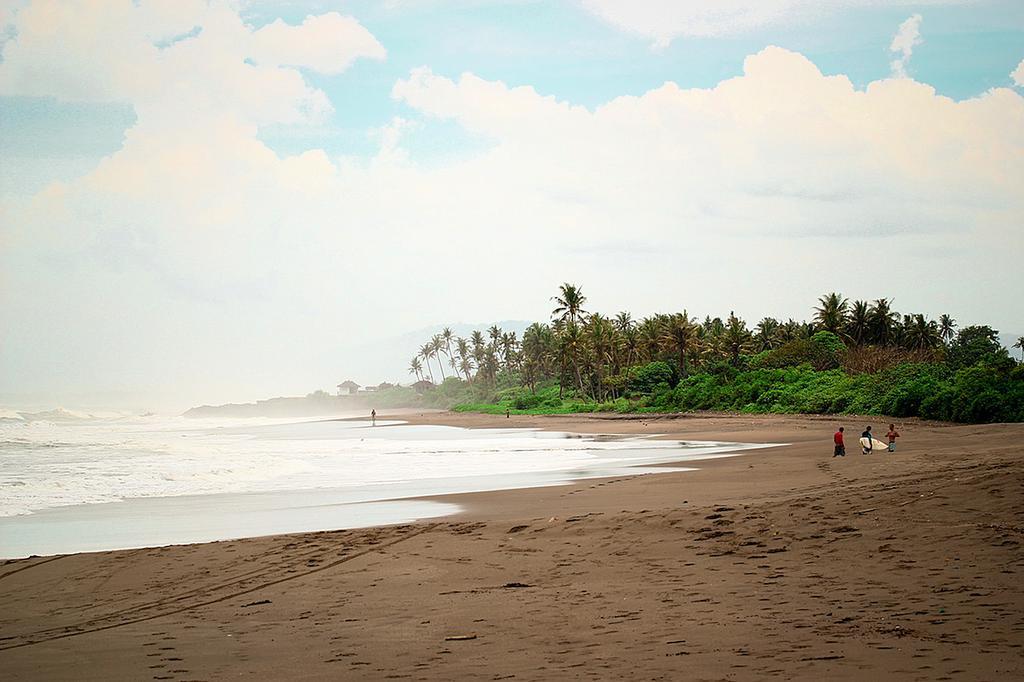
(645, 378)
(972, 345)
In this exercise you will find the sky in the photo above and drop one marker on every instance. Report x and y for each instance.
(219, 201)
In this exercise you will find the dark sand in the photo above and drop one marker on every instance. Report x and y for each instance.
(779, 563)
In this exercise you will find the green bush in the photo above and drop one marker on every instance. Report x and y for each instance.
(983, 392)
(823, 351)
(645, 378)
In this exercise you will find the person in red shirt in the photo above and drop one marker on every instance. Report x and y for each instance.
(840, 450)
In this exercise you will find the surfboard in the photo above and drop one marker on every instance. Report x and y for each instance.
(873, 443)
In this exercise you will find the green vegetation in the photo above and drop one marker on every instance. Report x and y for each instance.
(853, 358)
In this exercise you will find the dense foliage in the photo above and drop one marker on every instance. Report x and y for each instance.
(859, 358)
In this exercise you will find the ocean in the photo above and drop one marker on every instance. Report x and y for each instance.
(71, 484)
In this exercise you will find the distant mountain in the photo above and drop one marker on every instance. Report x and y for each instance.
(308, 406)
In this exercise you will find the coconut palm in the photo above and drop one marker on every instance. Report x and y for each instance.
(599, 332)
(509, 343)
(427, 352)
(416, 368)
(858, 326)
(830, 315)
(789, 330)
(623, 322)
(768, 334)
(569, 304)
(571, 348)
(649, 330)
(677, 334)
(882, 321)
(947, 327)
(436, 348)
(921, 334)
(446, 335)
(630, 344)
(463, 351)
(466, 365)
(536, 350)
(736, 339)
(477, 340)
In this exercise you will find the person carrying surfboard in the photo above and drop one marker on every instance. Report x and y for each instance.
(892, 436)
(866, 441)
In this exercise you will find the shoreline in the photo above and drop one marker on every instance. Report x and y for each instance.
(782, 562)
(181, 520)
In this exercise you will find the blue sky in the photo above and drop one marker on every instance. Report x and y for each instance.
(242, 210)
(558, 48)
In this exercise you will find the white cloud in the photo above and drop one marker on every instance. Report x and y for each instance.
(907, 37)
(1018, 75)
(328, 43)
(663, 21)
(755, 195)
(200, 56)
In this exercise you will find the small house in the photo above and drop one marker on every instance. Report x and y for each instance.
(348, 388)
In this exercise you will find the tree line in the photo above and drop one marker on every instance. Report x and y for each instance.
(593, 355)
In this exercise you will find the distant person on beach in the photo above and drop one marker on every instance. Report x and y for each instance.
(840, 450)
(892, 436)
(373, 417)
(870, 441)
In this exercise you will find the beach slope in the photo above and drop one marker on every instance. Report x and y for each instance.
(781, 563)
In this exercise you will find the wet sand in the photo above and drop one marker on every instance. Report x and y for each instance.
(780, 563)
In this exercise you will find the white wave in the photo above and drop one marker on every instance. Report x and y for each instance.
(46, 464)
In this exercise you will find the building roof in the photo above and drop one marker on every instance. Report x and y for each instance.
(348, 384)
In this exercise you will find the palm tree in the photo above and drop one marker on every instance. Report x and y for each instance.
(436, 348)
(490, 364)
(446, 334)
(572, 343)
(736, 338)
(859, 324)
(495, 333)
(831, 314)
(537, 341)
(631, 344)
(599, 332)
(477, 339)
(947, 327)
(921, 334)
(462, 348)
(1020, 344)
(569, 304)
(415, 368)
(712, 337)
(650, 337)
(426, 352)
(790, 330)
(900, 329)
(677, 333)
(508, 349)
(768, 333)
(466, 365)
(623, 322)
(882, 321)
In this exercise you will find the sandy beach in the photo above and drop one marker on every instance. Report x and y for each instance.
(783, 562)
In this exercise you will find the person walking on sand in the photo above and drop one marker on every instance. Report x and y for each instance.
(867, 442)
(892, 436)
(373, 417)
(840, 449)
